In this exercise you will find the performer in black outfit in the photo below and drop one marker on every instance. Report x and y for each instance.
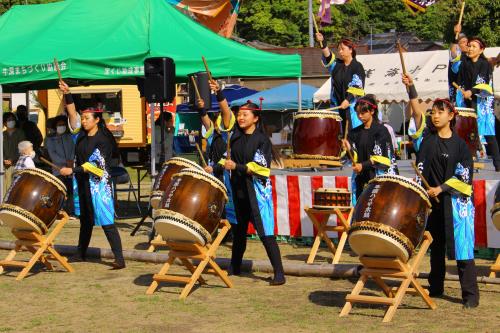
(94, 149)
(251, 155)
(446, 163)
(347, 79)
(370, 145)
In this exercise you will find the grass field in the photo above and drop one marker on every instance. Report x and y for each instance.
(96, 299)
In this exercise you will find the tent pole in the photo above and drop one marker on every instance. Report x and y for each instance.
(299, 94)
(404, 129)
(153, 141)
(311, 37)
(2, 171)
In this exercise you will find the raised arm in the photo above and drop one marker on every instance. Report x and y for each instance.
(417, 110)
(226, 112)
(73, 116)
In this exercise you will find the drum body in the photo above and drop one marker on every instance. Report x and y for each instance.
(466, 128)
(169, 168)
(495, 211)
(33, 201)
(325, 198)
(316, 135)
(191, 207)
(389, 218)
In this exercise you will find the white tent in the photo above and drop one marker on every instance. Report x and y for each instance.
(429, 70)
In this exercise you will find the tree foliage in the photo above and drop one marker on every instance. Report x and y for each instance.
(285, 22)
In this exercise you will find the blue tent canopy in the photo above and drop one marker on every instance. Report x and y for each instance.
(280, 98)
(231, 92)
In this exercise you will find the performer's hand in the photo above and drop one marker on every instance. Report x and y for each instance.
(64, 87)
(200, 103)
(407, 79)
(467, 94)
(345, 144)
(344, 104)
(229, 165)
(214, 86)
(209, 169)
(357, 167)
(457, 28)
(319, 37)
(66, 171)
(434, 191)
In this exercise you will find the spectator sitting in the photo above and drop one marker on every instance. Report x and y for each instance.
(26, 156)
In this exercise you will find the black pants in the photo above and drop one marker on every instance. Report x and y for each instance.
(112, 235)
(466, 268)
(492, 149)
(244, 215)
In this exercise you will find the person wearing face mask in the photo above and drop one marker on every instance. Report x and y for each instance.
(26, 156)
(11, 138)
(31, 130)
(476, 79)
(61, 149)
(347, 78)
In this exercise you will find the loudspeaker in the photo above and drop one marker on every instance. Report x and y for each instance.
(201, 79)
(159, 83)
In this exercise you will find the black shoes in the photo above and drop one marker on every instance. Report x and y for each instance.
(118, 264)
(231, 270)
(471, 304)
(277, 281)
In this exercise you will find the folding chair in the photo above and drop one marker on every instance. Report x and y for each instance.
(120, 176)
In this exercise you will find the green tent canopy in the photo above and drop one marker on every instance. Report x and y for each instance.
(106, 41)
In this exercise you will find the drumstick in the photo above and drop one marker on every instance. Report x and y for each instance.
(317, 30)
(210, 78)
(56, 65)
(195, 87)
(228, 148)
(201, 155)
(460, 89)
(460, 18)
(331, 109)
(403, 66)
(49, 163)
(419, 174)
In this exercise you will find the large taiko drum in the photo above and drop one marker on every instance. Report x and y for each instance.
(33, 201)
(389, 218)
(495, 211)
(316, 135)
(169, 168)
(466, 128)
(191, 208)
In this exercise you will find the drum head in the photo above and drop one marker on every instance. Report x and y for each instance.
(183, 162)
(495, 215)
(376, 244)
(176, 227)
(20, 219)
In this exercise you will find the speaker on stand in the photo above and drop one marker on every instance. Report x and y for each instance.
(157, 86)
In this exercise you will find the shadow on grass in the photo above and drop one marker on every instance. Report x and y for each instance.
(303, 257)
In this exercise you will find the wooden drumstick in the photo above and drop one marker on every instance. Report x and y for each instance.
(401, 58)
(317, 30)
(228, 147)
(49, 163)
(210, 78)
(460, 18)
(419, 174)
(56, 65)
(460, 89)
(201, 155)
(195, 88)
